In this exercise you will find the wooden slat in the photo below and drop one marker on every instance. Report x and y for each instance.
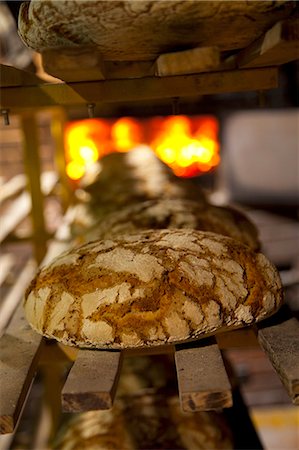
(20, 346)
(13, 298)
(74, 64)
(12, 187)
(139, 89)
(21, 206)
(195, 60)
(11, 76)
(279, 338)
(278, 46)
(202, 379)
(92, 381)
(6, 263)
(19, 349)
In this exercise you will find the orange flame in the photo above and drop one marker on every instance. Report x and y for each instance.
(186, 151)
(188, 145)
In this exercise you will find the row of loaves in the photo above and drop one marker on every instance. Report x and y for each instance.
(158, 265)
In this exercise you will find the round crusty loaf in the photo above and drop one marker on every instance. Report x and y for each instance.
(130, 30)
(151, 288)
(145, 422)
(136, 176)
(179, 213)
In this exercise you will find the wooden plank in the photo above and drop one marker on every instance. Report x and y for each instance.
(196, 60)
(21, 207)
(11, 301)
(11, 76)
(6, 263)
(278, 46)
(74, 64)
(19, 349)
(92, 381)
(202, 379)
(279, 338)
(139, 89)
(12, 187)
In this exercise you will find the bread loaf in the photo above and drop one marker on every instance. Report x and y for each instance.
(180, 213)
(136, 176)
(131, 30)
(151, 288)
(146, 422)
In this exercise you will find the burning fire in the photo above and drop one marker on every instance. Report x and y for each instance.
(188, 145)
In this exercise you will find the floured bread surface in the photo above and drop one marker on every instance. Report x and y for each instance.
(151, 288)
(180, 213)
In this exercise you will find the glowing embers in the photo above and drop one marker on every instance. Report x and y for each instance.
(189, 145)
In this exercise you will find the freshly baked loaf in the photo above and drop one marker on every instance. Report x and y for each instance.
(151, 288)
(133, 177)
(180, 213)
(131, 30)
(146, 422)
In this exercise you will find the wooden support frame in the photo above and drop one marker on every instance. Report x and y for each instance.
(33, 171)
(72, 94)
(17, 371)
(277, 46)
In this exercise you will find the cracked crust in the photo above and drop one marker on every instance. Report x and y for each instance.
(179, 213)
(151, 288)
(141, 30)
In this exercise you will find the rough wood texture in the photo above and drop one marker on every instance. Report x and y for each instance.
(143, 29)
(19, 349)
(139, 89)
(279, 338)
(202, 379)
(189, 61)
(92, 381)
(278, 46)
(74, 64)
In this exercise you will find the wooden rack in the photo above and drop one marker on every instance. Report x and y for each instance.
(252, 68)
(203, 382)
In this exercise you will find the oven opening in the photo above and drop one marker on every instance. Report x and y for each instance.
(189, 145)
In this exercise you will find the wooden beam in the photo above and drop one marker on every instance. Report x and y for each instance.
(11, 76)
(202, 379)
(19, 348)
(196, 60)
(279, 338)
(278, 46)
(139, 89)
(74, 63)
(92, 381)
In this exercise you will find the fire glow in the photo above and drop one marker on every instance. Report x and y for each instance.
(189, 145)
